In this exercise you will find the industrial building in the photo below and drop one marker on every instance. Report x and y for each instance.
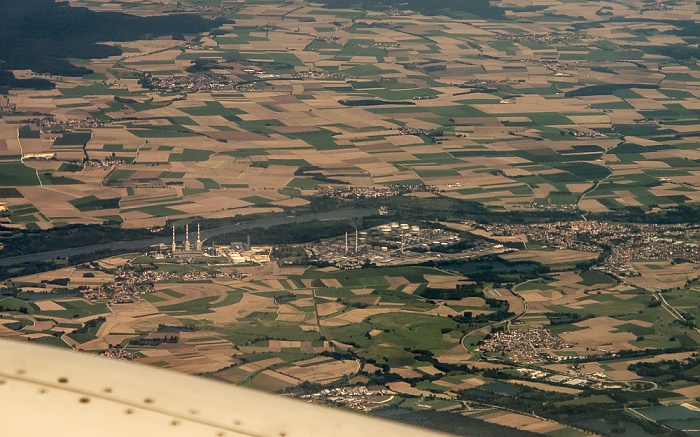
(236, 252)
(186, 249)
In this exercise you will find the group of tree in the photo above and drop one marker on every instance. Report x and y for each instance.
(40, 35)
(461, 291)
(155, 341)
(669, 370)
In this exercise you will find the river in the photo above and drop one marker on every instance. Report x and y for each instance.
(340, 214)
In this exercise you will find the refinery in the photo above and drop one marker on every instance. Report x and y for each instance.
(395, 244)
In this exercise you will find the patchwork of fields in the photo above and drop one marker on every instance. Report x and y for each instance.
(560, 105)
(277, 328)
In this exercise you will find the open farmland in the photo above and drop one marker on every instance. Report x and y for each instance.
(558, 106)
(428, 336)
(226, 322)
(530, 172)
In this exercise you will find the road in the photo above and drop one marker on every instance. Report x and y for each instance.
(672, 311)
(206, 234)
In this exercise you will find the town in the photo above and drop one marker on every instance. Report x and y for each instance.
(621, 242)
(357, 398)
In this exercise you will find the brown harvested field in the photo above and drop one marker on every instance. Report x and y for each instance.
(262, 364)
(39, 325)
(248, 304)
(396, 281)
(49, 305)
(328, 308)
(134, 317)
(47, 276)
(410, 288)
(288, 313)
(692, 392)
(520, 421)
(668, 276)
(562, 256)
(356, 316)
(516, 305)
(113, 262)
(233, 375)
(462, 358)
(407, 372)
(430, 370)
(447, 311)
(404, 387)
(362, 291)
(440, 281)
(532, 296)
(468, 383)
(273, 381)
(322, 373)
(190, 292)
(449, 385)
(598, 333)
(311, 361)
(331, 283)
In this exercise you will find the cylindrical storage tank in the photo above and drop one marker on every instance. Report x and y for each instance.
(394, 225)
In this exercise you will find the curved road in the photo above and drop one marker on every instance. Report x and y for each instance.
(207, 233)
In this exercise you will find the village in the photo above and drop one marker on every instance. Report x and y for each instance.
(371, 192)
(358, 398)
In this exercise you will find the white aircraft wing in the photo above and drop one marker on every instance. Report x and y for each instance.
(53, 392)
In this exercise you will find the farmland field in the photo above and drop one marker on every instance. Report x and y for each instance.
(466, 107)
(548, 156)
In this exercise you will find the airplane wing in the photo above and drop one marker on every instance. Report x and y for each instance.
(54, 392)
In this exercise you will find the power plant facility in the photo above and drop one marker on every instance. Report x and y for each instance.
(186, 249)
(235, 253)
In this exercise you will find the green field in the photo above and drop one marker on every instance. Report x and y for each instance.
(15, 174)
(593, 277)
(91, 203)
(76, 309)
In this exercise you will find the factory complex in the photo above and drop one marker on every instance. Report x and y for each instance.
(235, 253)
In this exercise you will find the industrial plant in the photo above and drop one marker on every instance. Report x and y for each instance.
(394, 244)
(235, 253)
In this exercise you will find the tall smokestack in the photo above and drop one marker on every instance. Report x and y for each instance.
(187, 237)
(249, 246)
(174, 245)
(346, 242)
(356, 240)
(198, 245)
